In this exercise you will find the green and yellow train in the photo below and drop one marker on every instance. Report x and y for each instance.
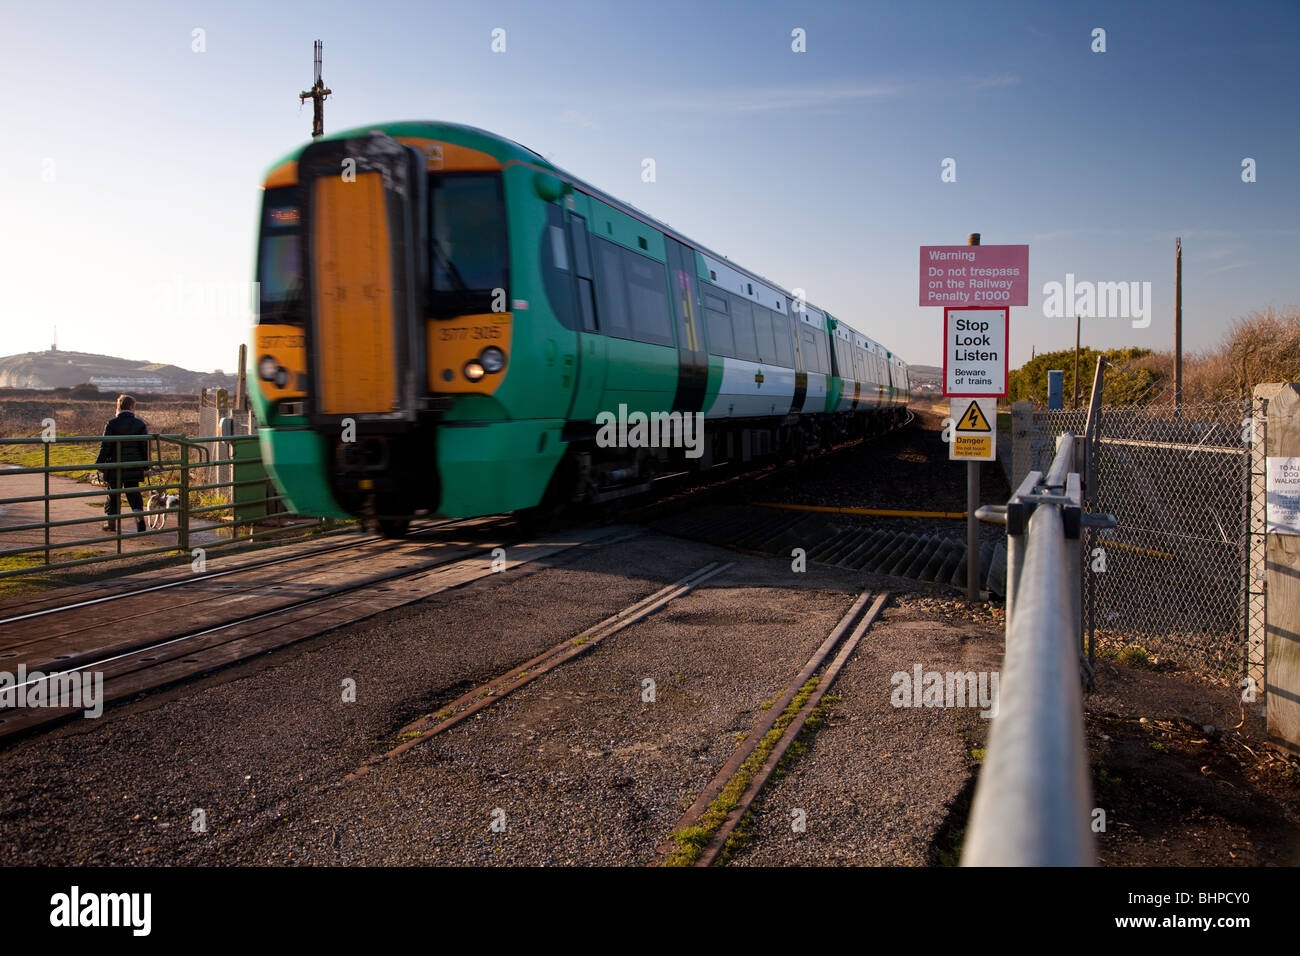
(448, 325)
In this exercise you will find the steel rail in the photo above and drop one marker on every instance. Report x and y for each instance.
(442, 564)
(211, 575)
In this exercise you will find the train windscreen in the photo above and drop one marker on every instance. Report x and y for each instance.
(279, 258)
(467, 241)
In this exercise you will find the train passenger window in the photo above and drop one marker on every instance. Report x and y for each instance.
(811, 356)
(742, 327)
(763, 334)
(612, 291)
(647, 297)
(784, 344)
(721, 341)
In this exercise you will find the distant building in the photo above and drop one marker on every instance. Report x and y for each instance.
(122, 383)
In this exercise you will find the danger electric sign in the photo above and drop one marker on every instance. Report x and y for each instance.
(974, 430)
(975, 342)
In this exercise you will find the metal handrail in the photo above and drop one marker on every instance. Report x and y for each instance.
(1032, 804)
(172, 453)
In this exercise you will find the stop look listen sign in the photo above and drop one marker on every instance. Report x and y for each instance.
(975, 342)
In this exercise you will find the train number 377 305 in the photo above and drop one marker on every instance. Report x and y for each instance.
(470, 332)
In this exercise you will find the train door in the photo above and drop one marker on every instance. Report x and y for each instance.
(363, 234)
(692, 349)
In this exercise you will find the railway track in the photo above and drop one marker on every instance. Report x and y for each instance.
(101, 592)
(200, 634)
(700, 836)
(488, 693)
(671, 500)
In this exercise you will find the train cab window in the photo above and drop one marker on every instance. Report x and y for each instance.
(279, 258)
(467, 241)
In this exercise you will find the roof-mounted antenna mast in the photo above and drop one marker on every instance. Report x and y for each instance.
(317, 94)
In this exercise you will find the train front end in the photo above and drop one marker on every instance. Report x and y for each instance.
(392, 378)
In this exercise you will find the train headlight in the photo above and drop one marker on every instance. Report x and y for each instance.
(493, 360)
(474, 371)
(267, 367)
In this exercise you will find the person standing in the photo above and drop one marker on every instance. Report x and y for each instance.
(126, 462)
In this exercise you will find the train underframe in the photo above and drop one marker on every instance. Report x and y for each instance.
(387, 476)
(592, 475)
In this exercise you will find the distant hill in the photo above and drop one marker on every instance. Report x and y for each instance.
(924, 374)
(60, 369)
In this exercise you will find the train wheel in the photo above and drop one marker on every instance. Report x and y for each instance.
(394, 527)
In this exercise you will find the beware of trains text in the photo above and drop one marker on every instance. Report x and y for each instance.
(975, 351)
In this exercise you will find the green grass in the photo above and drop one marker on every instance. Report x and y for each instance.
(33, 456)
(1133, 656)
(38, 580)
(741, 836)
(692, 840)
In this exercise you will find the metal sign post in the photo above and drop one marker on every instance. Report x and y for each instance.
(972, 499)
(976, 289)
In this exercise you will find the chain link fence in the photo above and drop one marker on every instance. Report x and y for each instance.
(1168, 582)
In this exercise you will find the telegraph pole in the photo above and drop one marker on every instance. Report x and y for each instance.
(972, 505)
(1178, 324)
(1078, 321)
(317, 95)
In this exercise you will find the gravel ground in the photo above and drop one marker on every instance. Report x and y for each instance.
(585, 771)
(876, 781)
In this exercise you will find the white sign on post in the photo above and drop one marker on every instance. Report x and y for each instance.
(975, 351)
(1282, 495)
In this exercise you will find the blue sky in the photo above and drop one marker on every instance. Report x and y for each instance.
(130, 167)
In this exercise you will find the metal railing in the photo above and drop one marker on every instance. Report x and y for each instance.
(242, 507)
(1032, 804)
